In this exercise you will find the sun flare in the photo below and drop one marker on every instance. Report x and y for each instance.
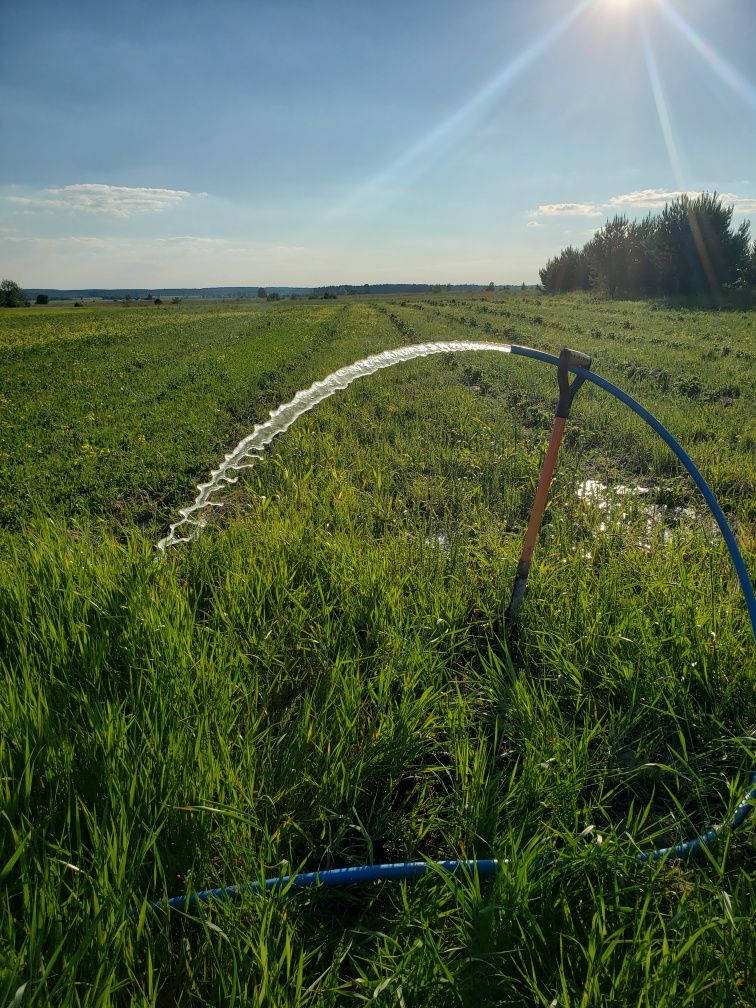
(625, 7)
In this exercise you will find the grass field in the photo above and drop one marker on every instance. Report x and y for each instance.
(323, 678)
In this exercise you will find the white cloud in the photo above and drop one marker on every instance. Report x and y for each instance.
(652, 199)
(91, 197)
(641, 199)
(534, 224)
(567, 210)
(656, 199)
(742, 205)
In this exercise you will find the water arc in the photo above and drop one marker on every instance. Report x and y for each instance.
(281, 418)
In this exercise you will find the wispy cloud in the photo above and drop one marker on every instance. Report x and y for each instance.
(641, 199)
(741, 204)
(651, 199)
(192, 243)
(534, 224)
(656, 199)
(179, 260)
(197, 245)
(567, 210)
(70, 244)
(97, 198)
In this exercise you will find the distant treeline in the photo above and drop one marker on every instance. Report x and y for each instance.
(690, 248)
(334, 290)
(329, 291)
(146, 293)
(386, 288)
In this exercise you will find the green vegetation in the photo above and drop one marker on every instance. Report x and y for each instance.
(11, 295)
(689, 249)
(322, 679)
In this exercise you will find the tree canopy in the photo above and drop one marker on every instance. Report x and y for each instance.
(11, 295)
(689, 248)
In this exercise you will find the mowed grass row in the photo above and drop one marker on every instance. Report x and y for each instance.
(323, 679)
(121, 414)
(695, 370)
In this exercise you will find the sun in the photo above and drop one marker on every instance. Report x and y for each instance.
(622, 5)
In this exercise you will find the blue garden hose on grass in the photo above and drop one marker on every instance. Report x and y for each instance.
(337, 877)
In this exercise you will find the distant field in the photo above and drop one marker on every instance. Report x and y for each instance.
(115, 411)
(323, 678)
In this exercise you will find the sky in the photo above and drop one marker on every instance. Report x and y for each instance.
(305, 142)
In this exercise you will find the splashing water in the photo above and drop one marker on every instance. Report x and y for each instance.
(249, 449)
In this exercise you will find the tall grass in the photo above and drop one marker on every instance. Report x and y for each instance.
(324, 679)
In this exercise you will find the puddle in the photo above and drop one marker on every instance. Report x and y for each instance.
(440, 540)
(632, 504)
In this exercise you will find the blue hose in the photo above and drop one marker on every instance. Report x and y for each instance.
(333, 878)
(336, 877)
(682, 455)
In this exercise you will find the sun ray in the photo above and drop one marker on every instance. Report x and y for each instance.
(738, 82)
(662, 109)
(665, 124)
(392, 181)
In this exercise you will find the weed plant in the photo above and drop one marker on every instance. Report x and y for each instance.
(324, 678)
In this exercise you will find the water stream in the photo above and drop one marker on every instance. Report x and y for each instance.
(249, 449)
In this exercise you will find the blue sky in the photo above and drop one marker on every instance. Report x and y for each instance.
(292, 142)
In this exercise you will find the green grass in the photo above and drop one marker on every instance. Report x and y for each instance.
(321, 681)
